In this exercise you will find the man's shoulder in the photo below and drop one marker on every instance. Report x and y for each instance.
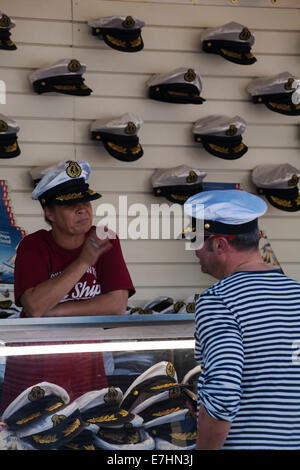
(34, 239)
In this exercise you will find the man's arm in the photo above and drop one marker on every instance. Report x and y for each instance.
(211, 432)
(111, 303)
(39, 300)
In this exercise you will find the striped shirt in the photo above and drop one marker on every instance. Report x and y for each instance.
(248, 342)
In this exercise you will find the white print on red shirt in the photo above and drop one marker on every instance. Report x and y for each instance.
(86, 288)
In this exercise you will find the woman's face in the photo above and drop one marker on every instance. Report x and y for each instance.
(75, 219)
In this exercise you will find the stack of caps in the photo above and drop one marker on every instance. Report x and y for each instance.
(280, 93)
(232, 41)
(33, 416)
(8, 309)
(9, 129)
(221, 136)
(182, 85)
(119, 136)
(6, 24)
(119, 32)
(159, 399)
(117, 427)
(278, 183)
(64, 76)
(189, 304)
(177, 184)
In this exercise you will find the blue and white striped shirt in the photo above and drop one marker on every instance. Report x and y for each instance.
(248, 341)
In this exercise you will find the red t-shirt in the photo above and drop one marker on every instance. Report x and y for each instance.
(39, 258)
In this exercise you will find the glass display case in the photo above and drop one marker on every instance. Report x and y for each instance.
(113, 383)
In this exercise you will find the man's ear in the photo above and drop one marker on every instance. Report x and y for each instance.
(221, 244)
(48, 213)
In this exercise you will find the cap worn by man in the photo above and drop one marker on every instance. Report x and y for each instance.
(226, 212)
(182, 85)
(6, 24)
(279, 184)
(221, 136)
(119, 32)
(64, 76)
(63, 184)
(177, 184)
(280, 93)
(119, 136)
(233, 41)
(9, 129)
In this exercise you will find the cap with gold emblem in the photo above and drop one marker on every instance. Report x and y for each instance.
(119, 32)
(174, 433)
(55, 430)
(177, 184)
(64, 76)
(6, 24)
(119, 136)
(64, 184)
(126, 438)
(182, 85)
(221, 136)
(158, 379)
(102, 407)
(226, 212)
(279, 184)
(160, 305)
(189, 304)
(280, 93)
(34, 403)
(233, 41)
(9, 129)
(85, 440)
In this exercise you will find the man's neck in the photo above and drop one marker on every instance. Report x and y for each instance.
(66, 241)
(249, 262)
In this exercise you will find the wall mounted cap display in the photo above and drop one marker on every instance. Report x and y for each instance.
(119, 136)
(221, 136)
(182, 85)
(6, 24)
(64, 76)
(279, 184)
(177, 184)
(280, 93)
(9, 147)
(233, 41)
(119, 32)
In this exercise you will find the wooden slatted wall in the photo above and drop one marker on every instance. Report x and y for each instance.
(56, 128)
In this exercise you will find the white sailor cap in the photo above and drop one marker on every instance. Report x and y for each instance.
(102, 407)
(64, 76)
(280, 93)
(226, 212)
(119, 32)
(221, 135)
(178, 434)
(152, 382)
(34, 403)
(55, 430)
(65, 183)
(85, 440)
(233, 41)
(177, 184)
(9, 129)
(124, 439)
(6, 24)
(119, 136)
(182, 85)
(279, 184)
(189, 304)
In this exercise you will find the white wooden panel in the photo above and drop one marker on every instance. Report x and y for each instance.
(174, 134)
(151, 110)
(152, 62)
(165, 157)
(35, 56)
(189, 39)
(232, 3)
(186, 15)
(54, 149)
(34, 105)
(42, 32)
(56, 9)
